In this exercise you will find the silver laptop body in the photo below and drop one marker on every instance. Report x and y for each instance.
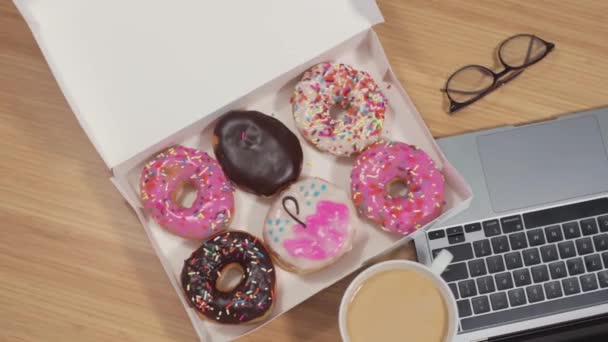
(516, 173)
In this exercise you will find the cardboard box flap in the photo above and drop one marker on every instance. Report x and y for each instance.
(135, 72)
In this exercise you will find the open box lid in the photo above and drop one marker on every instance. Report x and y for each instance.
(135, 72)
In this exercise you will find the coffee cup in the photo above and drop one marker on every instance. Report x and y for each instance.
(400, 300)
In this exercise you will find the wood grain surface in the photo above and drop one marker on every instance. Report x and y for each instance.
(75, 264)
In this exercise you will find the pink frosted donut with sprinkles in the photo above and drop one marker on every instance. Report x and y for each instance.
(384, 163)
(162, 183)
(329, 85)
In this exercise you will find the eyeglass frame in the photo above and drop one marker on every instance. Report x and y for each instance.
(497, 82)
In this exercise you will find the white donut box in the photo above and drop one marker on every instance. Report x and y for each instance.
(143, 75)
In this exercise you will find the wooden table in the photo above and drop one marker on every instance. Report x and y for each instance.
(75, 264)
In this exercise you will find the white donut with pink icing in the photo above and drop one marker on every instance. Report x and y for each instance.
(310, 226)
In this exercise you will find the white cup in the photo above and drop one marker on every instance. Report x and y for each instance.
(434, 273)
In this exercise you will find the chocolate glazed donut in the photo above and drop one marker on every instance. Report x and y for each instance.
(251, 300)
(257, 152)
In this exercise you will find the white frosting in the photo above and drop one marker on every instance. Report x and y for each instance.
(329, 220)
(328, 85)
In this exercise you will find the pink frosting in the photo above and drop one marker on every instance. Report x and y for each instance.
(324, 234)
(213, 206)
(385, 162)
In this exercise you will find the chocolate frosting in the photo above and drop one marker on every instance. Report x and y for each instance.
(257, 151)
(251, 299)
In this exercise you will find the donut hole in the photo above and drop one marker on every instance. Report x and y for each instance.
(230, 277)
(337, 113)
(397, 188)
(185, 194)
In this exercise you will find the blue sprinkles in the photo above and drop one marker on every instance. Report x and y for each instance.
(276, 239)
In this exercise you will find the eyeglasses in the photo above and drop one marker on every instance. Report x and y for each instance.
(472, 82)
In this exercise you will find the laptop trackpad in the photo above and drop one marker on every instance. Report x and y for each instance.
(544, 163)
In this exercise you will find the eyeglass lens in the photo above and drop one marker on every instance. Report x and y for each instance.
(468, 83)
(522, 50)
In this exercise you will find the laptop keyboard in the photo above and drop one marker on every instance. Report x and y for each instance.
(525, 266)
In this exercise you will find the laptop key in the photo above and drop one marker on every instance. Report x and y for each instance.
(589, 226)
(499, 301)
(536, 237)
(454, 230)
(518, 241)
(467, 288)
(571, 230)
(464, 308)
(553, 289)
(557, 269)
(603, 279)
(513, 260)
(454, 289)
(517, 297)
(588, 282)
(601, 242)
(436, 234)
(500, 244)
(571, 286)
(454, 239)
(503, 281)
(455, 272)
(575, 266)
(522, 277)
(584, 246)
(531, 256)
(460, 252)
(605, 258)
(472, 227)
(549, 253)
(491, 228)
(603, 223)
(540, 273)
(482, 248)
(535, 293)
(593, 262)
(566, 249)
(511, 224)
(495, 264)
(554, 233)
(485, 284)
(477, 268)
(523, 313)
(480, 305)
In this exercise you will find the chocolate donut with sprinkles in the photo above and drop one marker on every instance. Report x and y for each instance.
(251, 300)
(385, 163)
(327, 86)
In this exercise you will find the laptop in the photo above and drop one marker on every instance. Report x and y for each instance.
(531, 252)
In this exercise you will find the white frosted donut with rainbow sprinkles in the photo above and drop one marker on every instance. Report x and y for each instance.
(327, 85)
(386, 162)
